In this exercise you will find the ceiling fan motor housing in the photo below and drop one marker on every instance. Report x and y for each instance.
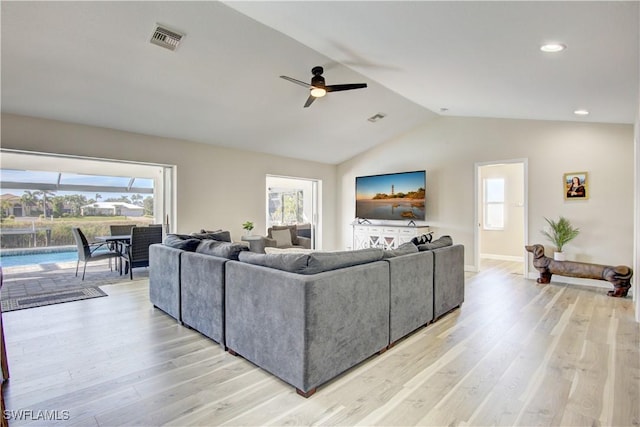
(317, 81)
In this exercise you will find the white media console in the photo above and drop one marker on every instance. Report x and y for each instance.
(384, 236)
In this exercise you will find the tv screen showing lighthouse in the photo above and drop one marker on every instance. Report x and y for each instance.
(397, 196)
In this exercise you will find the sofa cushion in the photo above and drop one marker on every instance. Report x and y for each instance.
(221, 249)
(181, 241)
(282, 237)
(440, 243)
(221, 236)
(291, 262)
(312, 263)
(292, 229)
(404, 249)
(326, 261)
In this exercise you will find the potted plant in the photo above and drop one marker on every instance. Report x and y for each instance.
(562, 232)
(248, 225)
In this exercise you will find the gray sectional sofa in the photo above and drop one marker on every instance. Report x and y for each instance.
(307, 317)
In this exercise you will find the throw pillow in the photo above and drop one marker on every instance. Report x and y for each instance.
(221, 249)
(202, 230)
(293, 230)
(282, 237)
(181, 241)
(221, 236)
(420, 240)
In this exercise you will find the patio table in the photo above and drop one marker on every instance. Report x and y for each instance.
(119, 240)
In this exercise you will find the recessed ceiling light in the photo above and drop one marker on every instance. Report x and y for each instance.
(581, 112)
(552, 47)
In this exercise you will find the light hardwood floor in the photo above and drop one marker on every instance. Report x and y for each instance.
(516, 353)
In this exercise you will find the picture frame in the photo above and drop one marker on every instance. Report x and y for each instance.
(576, 185)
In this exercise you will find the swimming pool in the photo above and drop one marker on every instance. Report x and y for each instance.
(30, 257)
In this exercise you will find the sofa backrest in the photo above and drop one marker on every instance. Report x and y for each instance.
(312, 263)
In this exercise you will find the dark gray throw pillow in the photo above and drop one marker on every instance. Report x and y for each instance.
(221, 236)
(221, 249)
(181, 241)
(436, 244)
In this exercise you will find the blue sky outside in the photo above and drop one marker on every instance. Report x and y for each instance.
(369, 186)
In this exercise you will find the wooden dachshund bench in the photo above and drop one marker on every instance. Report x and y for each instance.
(619, 276)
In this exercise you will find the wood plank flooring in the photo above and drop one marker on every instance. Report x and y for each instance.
(516, 353)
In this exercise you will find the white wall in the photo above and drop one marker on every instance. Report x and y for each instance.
(448, 148)
(506, 243)
(216, 187)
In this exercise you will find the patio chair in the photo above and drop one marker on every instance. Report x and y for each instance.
(119, 230)
(87, 251)
(136, 253)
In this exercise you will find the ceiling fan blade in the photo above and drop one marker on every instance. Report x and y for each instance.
(337, 88)
(310, 100)
(298, 82)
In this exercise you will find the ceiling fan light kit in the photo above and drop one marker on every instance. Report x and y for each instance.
(318, 88)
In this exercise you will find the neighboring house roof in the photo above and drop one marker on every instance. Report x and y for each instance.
(111, 205)
(10, 197)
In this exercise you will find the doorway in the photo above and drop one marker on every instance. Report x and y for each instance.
(295, 201)
(501, 215)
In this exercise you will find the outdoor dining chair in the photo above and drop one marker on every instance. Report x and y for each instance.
(119, 230)
(136, 253)
(87, 251)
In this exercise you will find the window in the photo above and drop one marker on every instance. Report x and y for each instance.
(494, 204)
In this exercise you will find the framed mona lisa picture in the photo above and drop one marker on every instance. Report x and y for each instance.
(576, 186)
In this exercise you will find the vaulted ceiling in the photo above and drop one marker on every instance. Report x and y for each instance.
(92, 63)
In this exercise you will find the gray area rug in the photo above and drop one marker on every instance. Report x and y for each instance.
(11, 304)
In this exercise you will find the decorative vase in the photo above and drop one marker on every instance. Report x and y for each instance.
(558, 256)
(249, 232)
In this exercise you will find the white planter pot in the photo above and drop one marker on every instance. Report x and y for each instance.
(558, 256)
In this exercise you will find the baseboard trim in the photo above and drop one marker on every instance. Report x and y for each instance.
(503, 257)
(471, 268)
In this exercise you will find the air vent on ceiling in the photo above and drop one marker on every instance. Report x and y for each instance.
(164, 37)
(376, 117)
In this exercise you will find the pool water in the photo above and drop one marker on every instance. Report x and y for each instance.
(38, 258)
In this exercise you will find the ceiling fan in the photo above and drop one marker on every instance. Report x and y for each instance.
(318, 88)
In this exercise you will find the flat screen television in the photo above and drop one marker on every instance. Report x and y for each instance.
(394, 196)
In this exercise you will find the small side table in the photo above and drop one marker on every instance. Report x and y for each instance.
(255, 243)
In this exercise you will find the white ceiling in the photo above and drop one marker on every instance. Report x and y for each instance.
(92, 63)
